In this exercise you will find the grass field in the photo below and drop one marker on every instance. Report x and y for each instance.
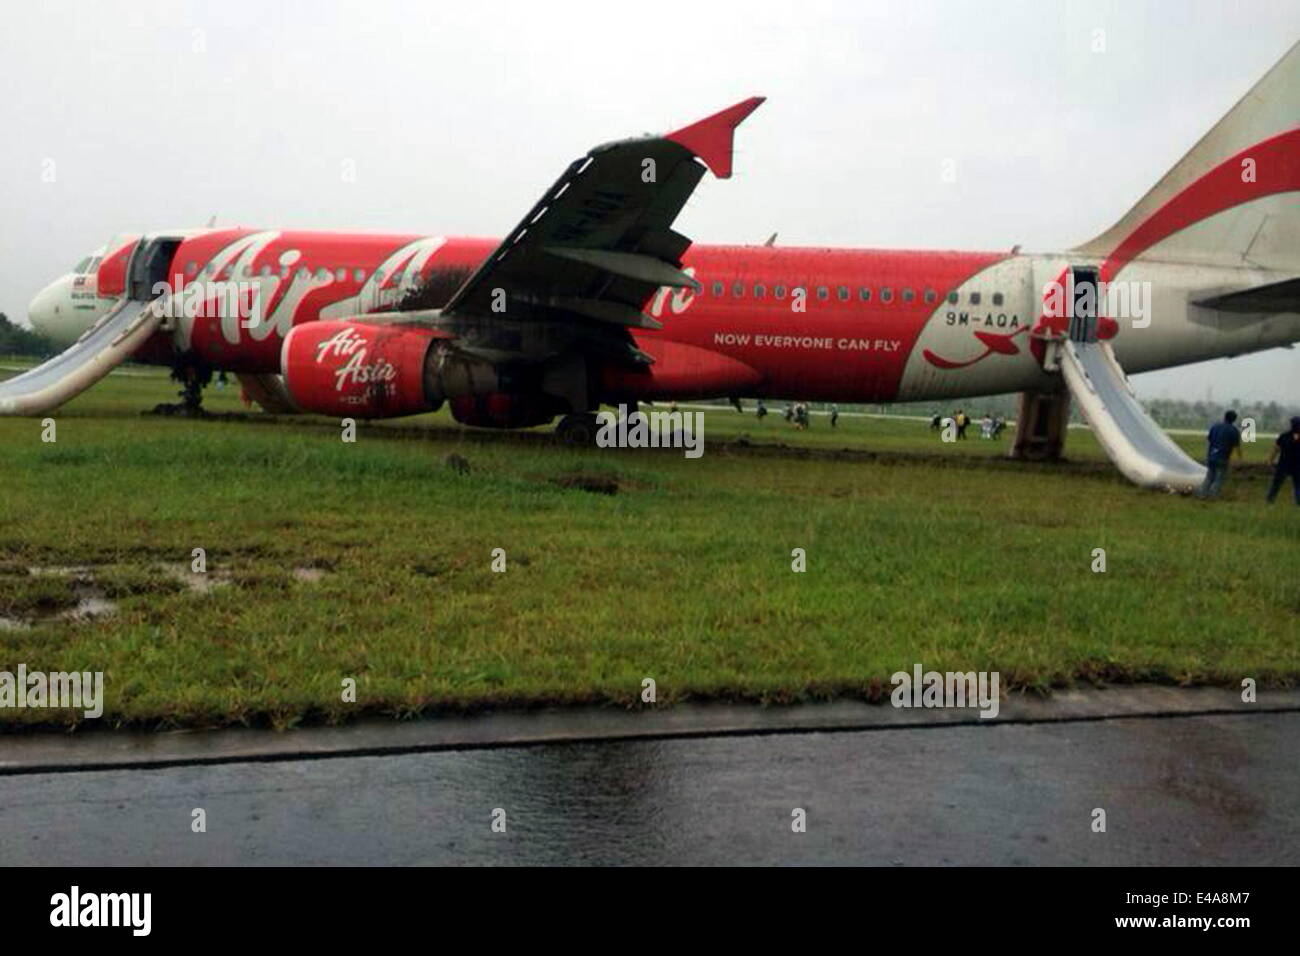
(372, 561)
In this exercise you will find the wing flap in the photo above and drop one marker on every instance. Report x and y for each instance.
(629, 265)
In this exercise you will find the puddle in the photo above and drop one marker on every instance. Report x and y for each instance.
(196, 583)
(90, 599)
(91, 602)
(61, 571)
(90, 606)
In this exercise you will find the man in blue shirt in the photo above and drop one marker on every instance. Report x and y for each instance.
(1286, 452)
(1222, 440)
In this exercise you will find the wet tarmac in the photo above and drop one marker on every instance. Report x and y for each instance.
(1205, 789)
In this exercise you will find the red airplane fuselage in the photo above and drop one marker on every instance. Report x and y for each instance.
(814, 323)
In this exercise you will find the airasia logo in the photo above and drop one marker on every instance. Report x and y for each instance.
(352, 345)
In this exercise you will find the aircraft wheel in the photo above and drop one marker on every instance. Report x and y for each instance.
(577, 430)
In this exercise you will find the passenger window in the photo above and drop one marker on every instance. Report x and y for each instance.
(997, 298)
(843, 293)
(908, 295)
(865, 293)
(341, 274)
(779, 292)
(823, 292)
(303, 273)
(265, 270)
(718, 290)
(322, 273)
(974, 298)
(886, 294)
(760, 291)
(398, 276)
(930, 295)
(358, 275)
(738, 290)
(191, 268)
(952, 298)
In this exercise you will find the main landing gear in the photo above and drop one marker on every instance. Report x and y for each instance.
(577, 429)
(1041, 426)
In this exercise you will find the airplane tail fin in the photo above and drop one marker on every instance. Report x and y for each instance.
(1231, 200)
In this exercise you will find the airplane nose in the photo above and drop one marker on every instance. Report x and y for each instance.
(43, 311)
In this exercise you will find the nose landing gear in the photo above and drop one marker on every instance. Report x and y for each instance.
(193, 379)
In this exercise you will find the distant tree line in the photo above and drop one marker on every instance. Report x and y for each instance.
(1169, 412)
(15, 340)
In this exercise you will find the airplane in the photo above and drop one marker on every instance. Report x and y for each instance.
(594, 299)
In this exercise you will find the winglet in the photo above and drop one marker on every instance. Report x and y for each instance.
(711, 139)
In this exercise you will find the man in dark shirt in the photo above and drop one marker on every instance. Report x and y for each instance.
(1223, 439)
(1286, 453)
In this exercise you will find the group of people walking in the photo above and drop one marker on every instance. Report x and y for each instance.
(796, 413)
(991, 426)
(1223, 441)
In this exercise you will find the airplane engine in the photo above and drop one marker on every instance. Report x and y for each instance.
(359, 370)
(355, 370)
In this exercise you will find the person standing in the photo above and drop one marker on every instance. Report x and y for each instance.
(1286, 454)
(835, 414)
(1222, 440)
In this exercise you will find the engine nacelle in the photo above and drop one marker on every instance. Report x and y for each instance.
(357, 370)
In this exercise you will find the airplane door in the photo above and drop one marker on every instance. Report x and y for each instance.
(150, 264)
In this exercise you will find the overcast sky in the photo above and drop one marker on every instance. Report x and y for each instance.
(456, 115)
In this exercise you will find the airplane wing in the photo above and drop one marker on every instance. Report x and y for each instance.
(590, 254)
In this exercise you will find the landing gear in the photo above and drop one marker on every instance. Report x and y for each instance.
(193, 380)
(1041, 426)
(577, 430)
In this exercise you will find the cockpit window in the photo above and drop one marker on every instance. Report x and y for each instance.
(89, 264)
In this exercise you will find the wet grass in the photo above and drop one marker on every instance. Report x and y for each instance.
(683, 575)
